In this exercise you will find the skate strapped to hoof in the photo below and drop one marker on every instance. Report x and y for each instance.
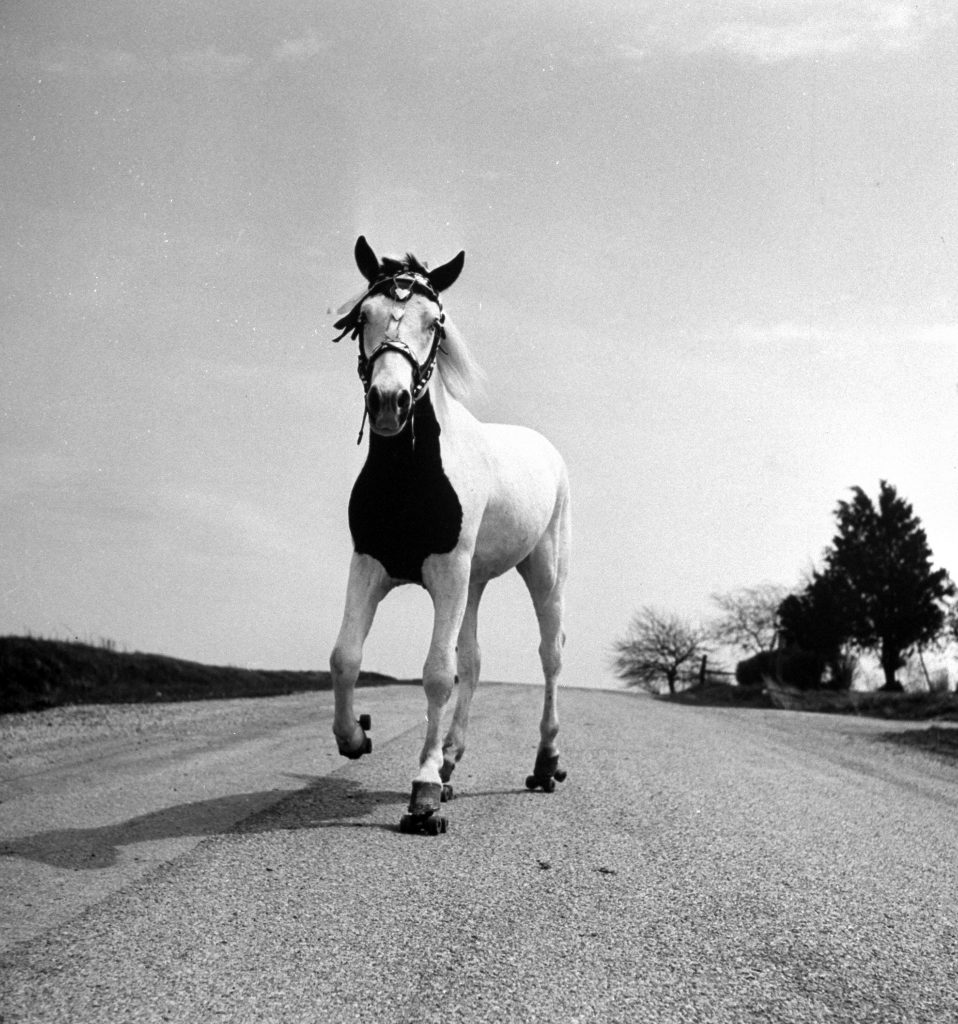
(423, 804)
(365, 747)
(546, 773)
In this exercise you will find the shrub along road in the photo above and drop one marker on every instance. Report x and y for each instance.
(699, 864)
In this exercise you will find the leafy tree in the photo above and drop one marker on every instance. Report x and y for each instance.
(950, 628)
(749, 618)
(656, 647)
(878, 571)
(816, 620)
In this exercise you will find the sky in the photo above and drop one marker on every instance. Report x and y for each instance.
(711, 253)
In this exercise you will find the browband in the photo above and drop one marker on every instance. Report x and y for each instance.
(400, 286)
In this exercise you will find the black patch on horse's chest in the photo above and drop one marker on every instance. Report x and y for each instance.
(403, 507)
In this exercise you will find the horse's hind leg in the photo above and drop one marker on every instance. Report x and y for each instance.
(544, 572)
(468, 661)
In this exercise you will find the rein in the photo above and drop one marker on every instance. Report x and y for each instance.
(400, 287)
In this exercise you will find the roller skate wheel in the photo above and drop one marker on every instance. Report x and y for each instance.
(447, 792)
(433, 825)
(365, 722)
(560, 775)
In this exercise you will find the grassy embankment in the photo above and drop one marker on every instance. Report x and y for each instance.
(873, 703)
(37, 674)
(941, 740)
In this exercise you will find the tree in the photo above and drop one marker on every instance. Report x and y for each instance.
(950, 629)
(816, 621)
(878, 570)
(656, 647)
(749, 618)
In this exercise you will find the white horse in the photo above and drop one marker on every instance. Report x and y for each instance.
(446, 502)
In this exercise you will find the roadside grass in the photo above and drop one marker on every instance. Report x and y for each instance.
(876, 704)
(36, 673)
(941, 741)
(873, 703)
(712, 693)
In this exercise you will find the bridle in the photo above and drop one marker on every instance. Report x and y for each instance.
(400, 287)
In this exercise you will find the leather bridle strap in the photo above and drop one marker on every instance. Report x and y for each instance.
(401, 287)
(420, 372)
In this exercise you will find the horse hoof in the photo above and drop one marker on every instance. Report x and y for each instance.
(365, 722)
(428, 825)
(546, 765)
(448, 793)
(544, 782)
(365, 747)
(425, 799)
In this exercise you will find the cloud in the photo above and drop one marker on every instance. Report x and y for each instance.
(304, 48)
(74, 60)
(214, 522)
(67, 60)
(936, 334)
(632, 54)
(820, 29)
(788, 30)
(212, 61)
(843, 338)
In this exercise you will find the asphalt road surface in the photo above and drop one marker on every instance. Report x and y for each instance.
(219, 862)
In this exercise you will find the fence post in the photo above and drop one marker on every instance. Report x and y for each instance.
(705, 659)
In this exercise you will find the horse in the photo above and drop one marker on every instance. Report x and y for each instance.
(449, 503)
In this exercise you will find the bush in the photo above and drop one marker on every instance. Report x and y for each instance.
(791, 667)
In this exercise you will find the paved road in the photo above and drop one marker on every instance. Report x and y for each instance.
(700, 864)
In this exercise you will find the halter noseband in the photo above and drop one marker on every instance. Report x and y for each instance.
(400, 287)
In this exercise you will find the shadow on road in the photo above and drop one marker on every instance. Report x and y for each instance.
(330, 801)
(327, 801)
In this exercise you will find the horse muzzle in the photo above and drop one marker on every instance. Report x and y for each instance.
(388, 409)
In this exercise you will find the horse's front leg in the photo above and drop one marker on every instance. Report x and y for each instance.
(468, 660)
(446, 577)
(368, 585)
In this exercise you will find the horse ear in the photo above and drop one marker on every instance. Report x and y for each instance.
(442, 277)
(366, 259)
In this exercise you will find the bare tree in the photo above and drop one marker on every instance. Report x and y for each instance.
(749, 618)
(656, 647)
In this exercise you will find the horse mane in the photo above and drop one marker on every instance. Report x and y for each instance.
(390, 265)
(458, 369)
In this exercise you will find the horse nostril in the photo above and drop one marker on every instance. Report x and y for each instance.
(403, 401)
(373, 402)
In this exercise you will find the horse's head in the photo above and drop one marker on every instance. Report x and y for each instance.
(399, 323)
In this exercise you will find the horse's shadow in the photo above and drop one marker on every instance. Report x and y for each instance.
(326, 802)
